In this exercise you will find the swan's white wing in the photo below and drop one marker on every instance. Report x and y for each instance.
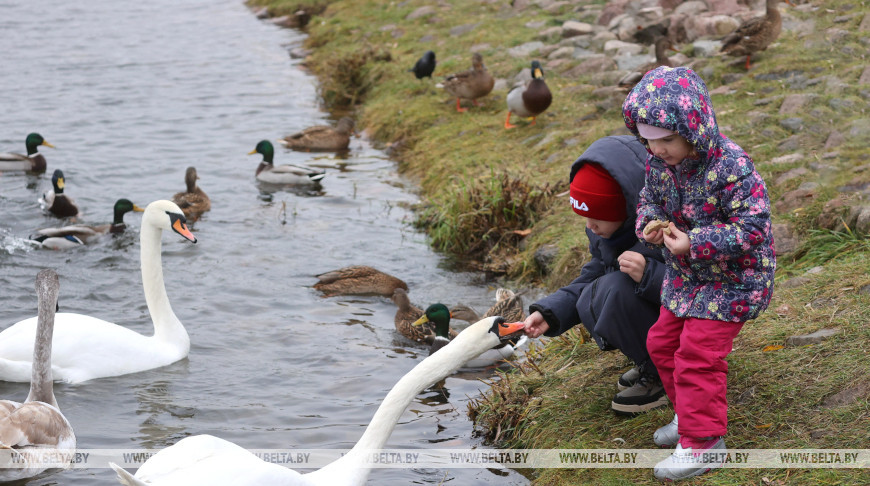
(205, 459)
(84, 348)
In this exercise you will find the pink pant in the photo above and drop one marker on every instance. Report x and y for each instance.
(689, 354)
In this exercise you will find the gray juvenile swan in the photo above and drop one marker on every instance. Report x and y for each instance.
(37, 424)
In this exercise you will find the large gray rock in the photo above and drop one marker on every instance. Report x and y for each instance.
(573, 28)
(814, 338)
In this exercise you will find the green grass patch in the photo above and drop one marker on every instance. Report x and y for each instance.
(481, 184)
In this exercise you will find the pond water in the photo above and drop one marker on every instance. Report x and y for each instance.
(130, 94)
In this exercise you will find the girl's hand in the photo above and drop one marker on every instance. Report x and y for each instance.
(632, 264)
(655, 237)
(677, 242)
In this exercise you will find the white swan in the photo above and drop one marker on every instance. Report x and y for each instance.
(86, 347)
(208, 460)
(37, 425)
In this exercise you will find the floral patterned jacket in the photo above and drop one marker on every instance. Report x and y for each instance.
(719, 200)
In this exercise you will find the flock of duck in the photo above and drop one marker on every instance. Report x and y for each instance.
(76, 348)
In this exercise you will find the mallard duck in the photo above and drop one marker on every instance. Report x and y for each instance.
(37, 424)
(55, 201)
(205, 459)
(471, 84)
(32, 162)
(425, 66)
(529, 99)
(282, 174)
(321, 138)
(358, 280)
(193, 202)
(77, 235)
(407, 320)
(438, 315)
(662, 46)
(88, 347)
(508, 304)
(755, 34)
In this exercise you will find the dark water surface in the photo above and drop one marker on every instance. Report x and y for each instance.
(131, 93)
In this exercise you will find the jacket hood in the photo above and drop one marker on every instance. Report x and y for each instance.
(623, 157)
(675, 99)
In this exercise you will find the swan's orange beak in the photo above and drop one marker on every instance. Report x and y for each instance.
(505, 329)
(179, 227)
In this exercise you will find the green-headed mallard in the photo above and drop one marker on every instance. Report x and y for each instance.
(755, 34)
(530, 98)
(425, 66)
(267, 171)
(30, 428)
(321, 138)
(409, 320)
(438, 315)
(358, 280)
(77, 235)
(193, 202)
(55, 201)
(471, 84)
(32, 162)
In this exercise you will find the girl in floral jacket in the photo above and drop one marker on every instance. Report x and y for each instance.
(718, 249)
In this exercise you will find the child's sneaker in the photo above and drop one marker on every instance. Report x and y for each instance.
(647, 394)
(628, 379)
(692, 457)
(667, 436)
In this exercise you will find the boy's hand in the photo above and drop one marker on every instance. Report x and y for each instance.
(677, 242)
(633, 264)
(535, 325)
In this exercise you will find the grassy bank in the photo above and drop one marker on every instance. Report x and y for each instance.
(492, 198)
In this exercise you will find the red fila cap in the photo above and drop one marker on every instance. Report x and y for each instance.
(597, 195)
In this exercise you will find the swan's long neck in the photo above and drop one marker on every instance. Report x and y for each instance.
(41, 380)
(167, 327)
(429, 371)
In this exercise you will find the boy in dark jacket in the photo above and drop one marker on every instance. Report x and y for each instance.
(617, 295)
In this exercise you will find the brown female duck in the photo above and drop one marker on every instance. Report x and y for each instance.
(471, 84)
(358, 280)
(194, 201)
(321, 138)
(755, 34)
(32, 162)
(662, 46)
(508, 304)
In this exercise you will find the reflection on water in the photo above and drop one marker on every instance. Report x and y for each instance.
(132, 93)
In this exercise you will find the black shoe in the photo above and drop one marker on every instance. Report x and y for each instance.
(647, 394)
